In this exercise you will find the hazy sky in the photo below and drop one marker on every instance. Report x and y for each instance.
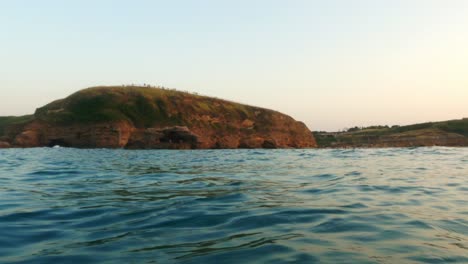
(331, 64)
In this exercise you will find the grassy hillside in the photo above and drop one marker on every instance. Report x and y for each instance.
(141, 105)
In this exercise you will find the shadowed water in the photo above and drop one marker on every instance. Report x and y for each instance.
(234, 206)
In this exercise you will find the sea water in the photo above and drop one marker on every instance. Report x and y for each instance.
(401, 205)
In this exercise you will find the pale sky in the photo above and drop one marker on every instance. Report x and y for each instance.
(331, 64)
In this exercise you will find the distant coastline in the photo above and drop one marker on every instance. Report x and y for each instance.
(452, 133)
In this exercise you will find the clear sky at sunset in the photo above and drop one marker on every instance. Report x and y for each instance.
(332, 64)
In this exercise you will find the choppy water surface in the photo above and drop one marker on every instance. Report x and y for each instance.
(234, 206)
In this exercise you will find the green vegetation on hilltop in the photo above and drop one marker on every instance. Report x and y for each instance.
(143, 106)
(103, 104)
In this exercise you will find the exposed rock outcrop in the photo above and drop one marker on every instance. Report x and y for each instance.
(105, 135)
(4, 144)
(166, 138)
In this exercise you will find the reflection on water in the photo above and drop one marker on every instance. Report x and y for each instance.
(362, 205)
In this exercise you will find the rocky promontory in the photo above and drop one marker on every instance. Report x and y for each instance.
(152, 118)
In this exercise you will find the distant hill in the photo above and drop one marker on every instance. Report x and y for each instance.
(446, 133)
(147, 117)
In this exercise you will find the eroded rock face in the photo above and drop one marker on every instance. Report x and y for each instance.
(4, 144)
(108, 135)
(177, 137)
(124, 135)
(282, 132)
(29, 137)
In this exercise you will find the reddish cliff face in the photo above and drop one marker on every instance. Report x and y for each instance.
(125, 135)
(103, 135)
(142, 117)
(4, 144)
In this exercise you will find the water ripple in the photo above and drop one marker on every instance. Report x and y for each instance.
(255, 206)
